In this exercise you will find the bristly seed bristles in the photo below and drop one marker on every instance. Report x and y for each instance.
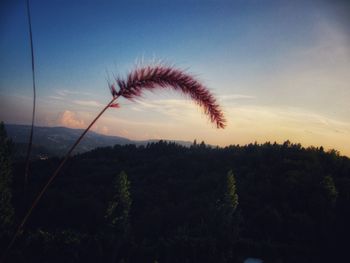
(159, 76)
(143, 78)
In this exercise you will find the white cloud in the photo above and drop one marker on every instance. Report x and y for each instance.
(176, 109)
(89, 103)
(71, 120)
(65, 92)
(229, 97)
(55, 97)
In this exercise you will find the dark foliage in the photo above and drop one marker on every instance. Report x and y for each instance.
(6, 208)
(282, 203)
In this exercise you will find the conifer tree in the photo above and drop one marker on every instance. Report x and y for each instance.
(6, 208)
(118, 215)
(227, 225)
(329, 190)
(231, 196)
(119, 208)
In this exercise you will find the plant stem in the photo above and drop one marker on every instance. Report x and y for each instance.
(34, 97)
(53, 176)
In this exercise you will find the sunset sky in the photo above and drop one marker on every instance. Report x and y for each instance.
(279, 69)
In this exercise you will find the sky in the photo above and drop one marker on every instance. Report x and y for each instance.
(279, 69)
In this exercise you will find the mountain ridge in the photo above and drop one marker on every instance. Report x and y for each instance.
(55, 141)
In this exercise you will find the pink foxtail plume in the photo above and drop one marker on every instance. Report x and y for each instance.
(151, 77)
(144, 78)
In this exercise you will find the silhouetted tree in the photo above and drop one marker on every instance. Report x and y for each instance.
(6, 208)
(329, 190)
(231, 197)
(118, 213)
(119, 208)
(228, 219)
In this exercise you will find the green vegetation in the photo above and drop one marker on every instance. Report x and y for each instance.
(6, 208)
(118, 217)
(169, 203)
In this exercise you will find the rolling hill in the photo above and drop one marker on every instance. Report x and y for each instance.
(55, 141)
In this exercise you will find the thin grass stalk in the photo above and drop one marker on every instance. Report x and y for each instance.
(145, 78)
(30, 142)
(53, 176)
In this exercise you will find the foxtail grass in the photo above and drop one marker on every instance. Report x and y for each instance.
(136, 82)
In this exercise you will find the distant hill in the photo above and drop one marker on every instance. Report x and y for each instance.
(55, 141)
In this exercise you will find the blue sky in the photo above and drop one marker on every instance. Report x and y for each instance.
(280, 69)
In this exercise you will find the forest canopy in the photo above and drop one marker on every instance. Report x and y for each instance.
(168, 203)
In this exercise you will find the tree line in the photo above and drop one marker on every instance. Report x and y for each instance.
(167, 203)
